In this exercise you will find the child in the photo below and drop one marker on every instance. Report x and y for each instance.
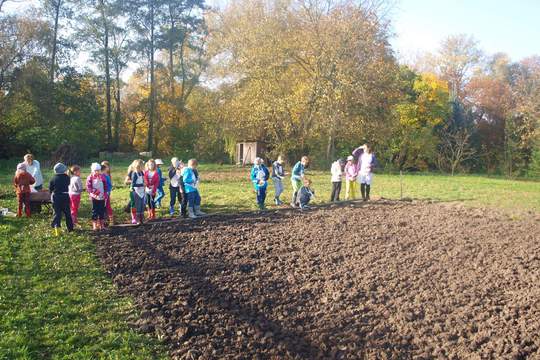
(22, 182)
(337, 170)
(106, 171)
(160, 193)
(259, 177)
(278, 174)
(151, 181)
(59, 188)
(368, 162)
(137, 188)
(96, 185)
(130, 207)
(190, 177)
(351, 173)
(176, 187)
(75, 191)
(305, 194)
(297, 176)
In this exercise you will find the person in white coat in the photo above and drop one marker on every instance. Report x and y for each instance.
(367, 163)
(338, 171)
(34, 168)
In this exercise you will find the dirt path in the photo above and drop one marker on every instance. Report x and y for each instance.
(382, 281)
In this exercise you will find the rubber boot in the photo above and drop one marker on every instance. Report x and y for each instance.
(171, 210)
(368, 189)
(56, 231)
(133, 216)
(140, 219)
(198, 211)
(191, 213)
(153, 213)
(101, 224)
(183, 211)
(363, 191)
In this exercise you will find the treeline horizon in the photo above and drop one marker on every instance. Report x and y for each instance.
(304, 77)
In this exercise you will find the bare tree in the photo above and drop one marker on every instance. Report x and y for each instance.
(455, 149)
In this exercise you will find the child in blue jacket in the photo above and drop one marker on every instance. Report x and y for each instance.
(259, 177)
(190, 177)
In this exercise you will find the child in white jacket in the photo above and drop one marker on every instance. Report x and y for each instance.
(338, 171)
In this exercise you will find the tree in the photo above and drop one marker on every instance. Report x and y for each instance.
(55, 10)
(120, 52)
(455, 149)
(22, 39)
(427, 107)
(456, 61)
(304, 74)
(147, 18)
(183, 32)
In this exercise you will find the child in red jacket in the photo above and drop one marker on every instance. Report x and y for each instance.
(22, 182)
(152, 181)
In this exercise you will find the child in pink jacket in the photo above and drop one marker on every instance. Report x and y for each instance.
(351, 173)
(96, 185)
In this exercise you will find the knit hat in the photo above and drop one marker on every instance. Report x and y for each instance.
(21, 166)
(60, 168)
(159, 162)
(95, 167)
(350, 158)
(341, 160)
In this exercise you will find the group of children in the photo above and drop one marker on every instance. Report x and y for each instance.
(357, 171)
(146, 183)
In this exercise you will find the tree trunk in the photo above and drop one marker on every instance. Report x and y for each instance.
(171, 53)
(150, 140)
(55, 41)
(107, 76)
(118, 113)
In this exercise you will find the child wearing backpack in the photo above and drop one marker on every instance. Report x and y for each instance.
(259, 177)
(190, 177)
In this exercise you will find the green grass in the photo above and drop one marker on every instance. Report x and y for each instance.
(57, 303)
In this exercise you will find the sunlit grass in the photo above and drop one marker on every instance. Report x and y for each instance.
(56, 301)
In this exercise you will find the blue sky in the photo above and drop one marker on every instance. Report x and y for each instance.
(510, 26)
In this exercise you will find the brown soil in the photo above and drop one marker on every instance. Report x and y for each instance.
(385, 280)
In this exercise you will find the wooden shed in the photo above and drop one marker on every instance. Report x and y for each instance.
(247, 151)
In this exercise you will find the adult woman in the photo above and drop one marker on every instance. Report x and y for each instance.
(34, 168)
(366, 164)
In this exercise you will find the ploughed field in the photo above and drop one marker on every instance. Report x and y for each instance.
(378, 280)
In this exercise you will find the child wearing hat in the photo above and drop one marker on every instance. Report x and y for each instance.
(160, 192)
(22, 182)
(351, 173)
(259, 177)
(96, 185)
(59, 188)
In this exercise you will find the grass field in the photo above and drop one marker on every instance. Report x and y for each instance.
(56, 301)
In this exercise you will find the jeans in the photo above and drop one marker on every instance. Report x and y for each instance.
(61, 205)
(278, 185)
(98, 209)
(336, 189)
(74, 203)
(261, 195)
(160, 194)
(194, 199)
